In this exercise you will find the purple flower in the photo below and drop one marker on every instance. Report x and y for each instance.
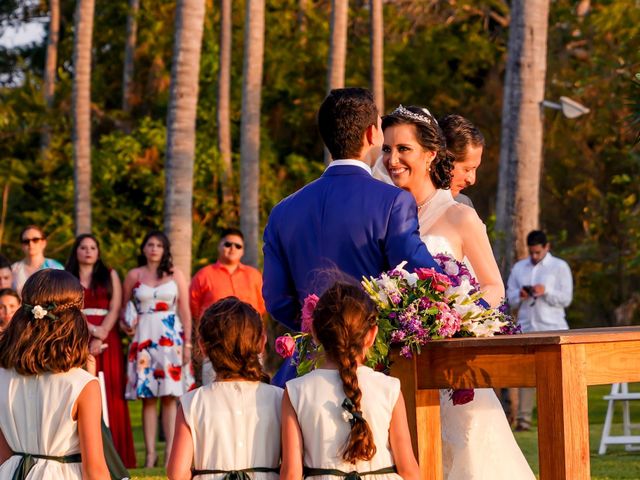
(406, 352)
(397, 336)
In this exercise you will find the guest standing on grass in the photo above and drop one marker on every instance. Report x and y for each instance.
(9, 304)
(225, 278)
(6, 275)
(160, 350)
(49, 406)
(233, 424)
(34, 243)
(102, 302)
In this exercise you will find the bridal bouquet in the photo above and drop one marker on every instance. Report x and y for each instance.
(413, 309)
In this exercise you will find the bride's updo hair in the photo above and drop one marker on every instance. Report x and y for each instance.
(430, 137)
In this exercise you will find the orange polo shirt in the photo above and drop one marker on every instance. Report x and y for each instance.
(214, 282)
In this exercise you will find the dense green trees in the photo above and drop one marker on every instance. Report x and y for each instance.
(449, 56)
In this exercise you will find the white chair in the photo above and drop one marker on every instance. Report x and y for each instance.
(619, 393)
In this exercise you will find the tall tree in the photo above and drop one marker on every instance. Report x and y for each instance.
(337, 49)
(129, 53)
(50, 66)
(81, 106)
(377, 53)
(518, 197)
(181, 129)
(250, 128)
(224, 99)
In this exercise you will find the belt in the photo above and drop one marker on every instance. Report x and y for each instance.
(314, 472)
(235, 474)
(95, 311)
(28, 461)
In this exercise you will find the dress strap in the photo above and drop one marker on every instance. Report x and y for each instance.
(235, 474)
(314, 472)
(28, 461)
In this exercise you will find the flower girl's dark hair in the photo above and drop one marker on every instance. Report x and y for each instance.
(53, 342)
(231, 334)
(343, 316)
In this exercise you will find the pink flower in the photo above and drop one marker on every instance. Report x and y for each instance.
(285, 346)
(308, 307)
(462, 396)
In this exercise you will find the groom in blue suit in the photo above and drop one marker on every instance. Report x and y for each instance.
(345, 220)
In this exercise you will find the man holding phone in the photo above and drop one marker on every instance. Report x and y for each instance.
(540, 287)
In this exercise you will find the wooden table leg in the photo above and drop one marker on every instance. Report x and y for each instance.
(429, 434)
(423, 416)
(563, 423)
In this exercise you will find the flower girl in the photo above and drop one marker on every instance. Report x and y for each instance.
(50, 409)
(345, 420)
(230, 427)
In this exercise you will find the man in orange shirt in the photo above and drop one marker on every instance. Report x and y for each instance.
(227, 277)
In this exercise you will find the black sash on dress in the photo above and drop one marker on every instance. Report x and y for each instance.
(235, 474)
(28, 461)
(314, 472)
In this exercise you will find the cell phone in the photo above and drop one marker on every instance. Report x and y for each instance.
(528, 289)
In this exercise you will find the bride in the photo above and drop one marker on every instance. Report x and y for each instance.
(477, 441)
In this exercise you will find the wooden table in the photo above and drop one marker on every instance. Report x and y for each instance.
(560, 364)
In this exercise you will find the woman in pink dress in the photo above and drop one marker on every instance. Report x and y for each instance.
(102, 300)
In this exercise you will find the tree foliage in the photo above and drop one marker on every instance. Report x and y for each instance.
(447, 55)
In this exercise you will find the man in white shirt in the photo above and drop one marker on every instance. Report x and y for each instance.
(540, 287)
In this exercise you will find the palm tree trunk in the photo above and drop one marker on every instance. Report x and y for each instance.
(250, 128)
(81, 100)
(224, 100)
(518, 202)
(181, 129)
(129, 53)
(377, 53)
(50, 67)
(337, 50)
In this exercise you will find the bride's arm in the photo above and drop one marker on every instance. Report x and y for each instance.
(477, 249)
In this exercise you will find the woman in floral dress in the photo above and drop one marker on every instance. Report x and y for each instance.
(160, 351)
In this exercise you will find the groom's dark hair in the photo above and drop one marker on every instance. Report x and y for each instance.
(343, 118)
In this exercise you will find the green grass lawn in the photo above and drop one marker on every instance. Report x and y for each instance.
(616, 464)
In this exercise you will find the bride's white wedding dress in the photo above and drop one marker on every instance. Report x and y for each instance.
(477, 441)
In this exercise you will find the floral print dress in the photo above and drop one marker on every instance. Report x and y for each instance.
(155, 355)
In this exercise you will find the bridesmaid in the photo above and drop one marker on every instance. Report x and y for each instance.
(102, 300)
(160, 351)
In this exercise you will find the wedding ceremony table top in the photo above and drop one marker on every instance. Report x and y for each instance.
(560, 364)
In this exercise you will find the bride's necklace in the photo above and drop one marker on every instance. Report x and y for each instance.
(427, 201)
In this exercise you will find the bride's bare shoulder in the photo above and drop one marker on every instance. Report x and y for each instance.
(463, 216)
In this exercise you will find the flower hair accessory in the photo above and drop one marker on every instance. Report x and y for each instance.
(39, 312)
(350, 413)
(308, 307)
(425, 117)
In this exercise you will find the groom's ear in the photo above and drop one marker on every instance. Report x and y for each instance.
(370, 135)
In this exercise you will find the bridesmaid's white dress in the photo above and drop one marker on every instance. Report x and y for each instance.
(477, 441)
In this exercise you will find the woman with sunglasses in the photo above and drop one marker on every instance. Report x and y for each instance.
(34, 243)
(160, 351)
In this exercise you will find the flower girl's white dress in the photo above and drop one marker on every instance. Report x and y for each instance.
(35, 418)
(317, 400)
(234, 425)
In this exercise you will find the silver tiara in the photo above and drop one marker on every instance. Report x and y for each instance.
(425, 117)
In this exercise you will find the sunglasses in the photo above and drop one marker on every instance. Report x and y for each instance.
(27, 241)
(233, 244)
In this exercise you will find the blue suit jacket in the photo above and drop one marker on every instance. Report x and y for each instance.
(344, 221)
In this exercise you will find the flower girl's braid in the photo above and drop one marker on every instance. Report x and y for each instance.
(341, 320)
